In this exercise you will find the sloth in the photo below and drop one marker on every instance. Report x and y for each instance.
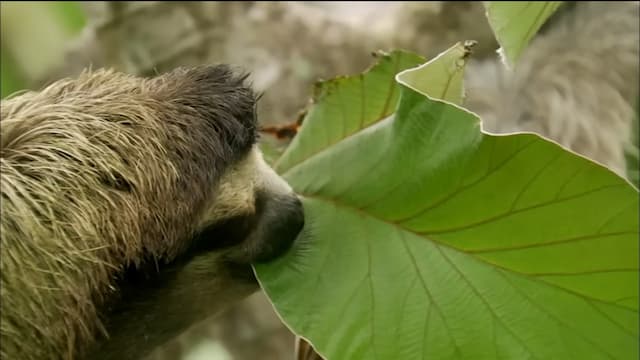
(132, 208)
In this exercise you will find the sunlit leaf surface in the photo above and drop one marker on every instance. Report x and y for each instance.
(428, 239)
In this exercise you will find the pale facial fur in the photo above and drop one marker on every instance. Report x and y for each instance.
(236, 192)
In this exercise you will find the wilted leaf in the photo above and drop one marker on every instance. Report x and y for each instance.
(428, 239)
(514, 23)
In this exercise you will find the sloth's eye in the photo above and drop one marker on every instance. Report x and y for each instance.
(226, 233)
(117, 181)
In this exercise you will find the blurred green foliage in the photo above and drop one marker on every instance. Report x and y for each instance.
(69, 13)
(34, 35)
(11, 78)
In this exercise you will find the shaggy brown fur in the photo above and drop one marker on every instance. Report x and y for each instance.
(576, 83)
(108, 173)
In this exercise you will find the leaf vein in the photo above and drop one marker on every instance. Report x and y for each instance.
(545, 311)
(615, 323)
(533, 180)
(550, 243)
(459, 190)
(427, 291)
(510, 213)
(484, 301)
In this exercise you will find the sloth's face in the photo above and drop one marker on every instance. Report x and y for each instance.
(156, 167)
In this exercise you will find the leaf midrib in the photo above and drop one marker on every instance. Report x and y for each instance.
(482, 260)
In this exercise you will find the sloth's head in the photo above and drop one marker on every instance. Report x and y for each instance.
(143, 200)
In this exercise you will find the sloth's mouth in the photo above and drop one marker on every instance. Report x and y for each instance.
(280, 220)
(259, 237)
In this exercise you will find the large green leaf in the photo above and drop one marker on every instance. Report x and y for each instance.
(428, 239)
(514, 23)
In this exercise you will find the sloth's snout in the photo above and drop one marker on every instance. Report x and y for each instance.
(280, 220)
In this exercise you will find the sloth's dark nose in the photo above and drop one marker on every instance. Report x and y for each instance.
(280, 220)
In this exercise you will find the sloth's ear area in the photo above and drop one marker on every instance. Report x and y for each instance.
(217, 94)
